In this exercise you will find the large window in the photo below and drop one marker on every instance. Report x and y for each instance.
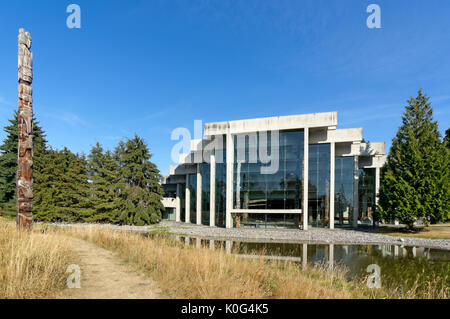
(319, 185)
(182, 196)
(280, 190)
(205, 192)
(221, 181)
(366, 193)
(343, 191)
(193, 197)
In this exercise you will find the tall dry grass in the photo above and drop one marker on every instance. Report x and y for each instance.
(182, 271)
(32, 264)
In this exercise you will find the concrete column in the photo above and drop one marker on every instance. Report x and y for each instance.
(178, 204)
(332, 183)
(199, 194)
(187, 216)
(229, 192)
(212, 191)
(304, 255)
(228, 246)
(377, 184)
(331, 256)
(355, 191)
(211, 244)
(305, 178)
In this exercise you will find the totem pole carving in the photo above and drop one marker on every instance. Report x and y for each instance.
(24, 178)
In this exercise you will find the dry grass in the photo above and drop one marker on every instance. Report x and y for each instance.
(183, 271)
(440, 231)
(32, 264)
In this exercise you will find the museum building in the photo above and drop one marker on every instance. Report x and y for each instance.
(253, 173)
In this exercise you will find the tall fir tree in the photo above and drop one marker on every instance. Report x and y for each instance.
(8, 162)
(142, 192)
(106, 199)
(413, 181)
(64, 195)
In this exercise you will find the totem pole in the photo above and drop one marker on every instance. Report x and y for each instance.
(24, 177)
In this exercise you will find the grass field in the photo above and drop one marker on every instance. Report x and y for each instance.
(33, 265)
(439, 231)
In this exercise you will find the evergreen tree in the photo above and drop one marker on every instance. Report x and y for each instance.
(447, 138)
(142, 192)
(104, 173)
(8, 162)
(64, 195)
(414, 177)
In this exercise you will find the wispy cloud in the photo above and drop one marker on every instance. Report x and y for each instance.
(5, 102)
(69, 118)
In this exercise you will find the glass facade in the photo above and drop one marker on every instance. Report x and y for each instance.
(168, 214)
(366, 194)
(281, 190)
(183, 202)
(343, 191)
(206, 173)
(221, 181)
(319, 185)
(193, 197)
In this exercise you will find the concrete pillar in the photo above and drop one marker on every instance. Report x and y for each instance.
(377, 184)
(305, 178)
(178, 204)
(211, 244)
(332, 183)
(355, 191)
(212, 191)
(304, 255)
(229, 191)
(187, 215)
(198, 242)
(331, 256)
(199, 194)
(228, 246)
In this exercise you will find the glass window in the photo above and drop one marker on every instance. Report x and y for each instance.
(281, 190)
(206, 173)
(343, 191)
(319, 185)
(193, 193)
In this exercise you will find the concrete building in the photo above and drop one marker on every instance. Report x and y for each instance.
(252, 173)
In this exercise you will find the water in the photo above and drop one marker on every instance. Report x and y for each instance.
(400, 266)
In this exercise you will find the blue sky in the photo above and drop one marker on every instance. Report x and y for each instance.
(148, 67)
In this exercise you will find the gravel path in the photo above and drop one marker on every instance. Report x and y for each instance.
(314, 235)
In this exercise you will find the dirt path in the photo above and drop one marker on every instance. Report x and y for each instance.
(106, 276)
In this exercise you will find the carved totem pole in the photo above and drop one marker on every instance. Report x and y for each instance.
(24, 178)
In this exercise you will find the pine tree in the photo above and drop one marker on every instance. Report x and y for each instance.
(447, 138)
(412, 181)
(8, 162)
(104, 173)
(65, 195)
(142, 192)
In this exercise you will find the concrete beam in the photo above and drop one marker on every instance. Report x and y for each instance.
(325, 119)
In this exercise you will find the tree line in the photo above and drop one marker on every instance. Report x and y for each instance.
(120, 186)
